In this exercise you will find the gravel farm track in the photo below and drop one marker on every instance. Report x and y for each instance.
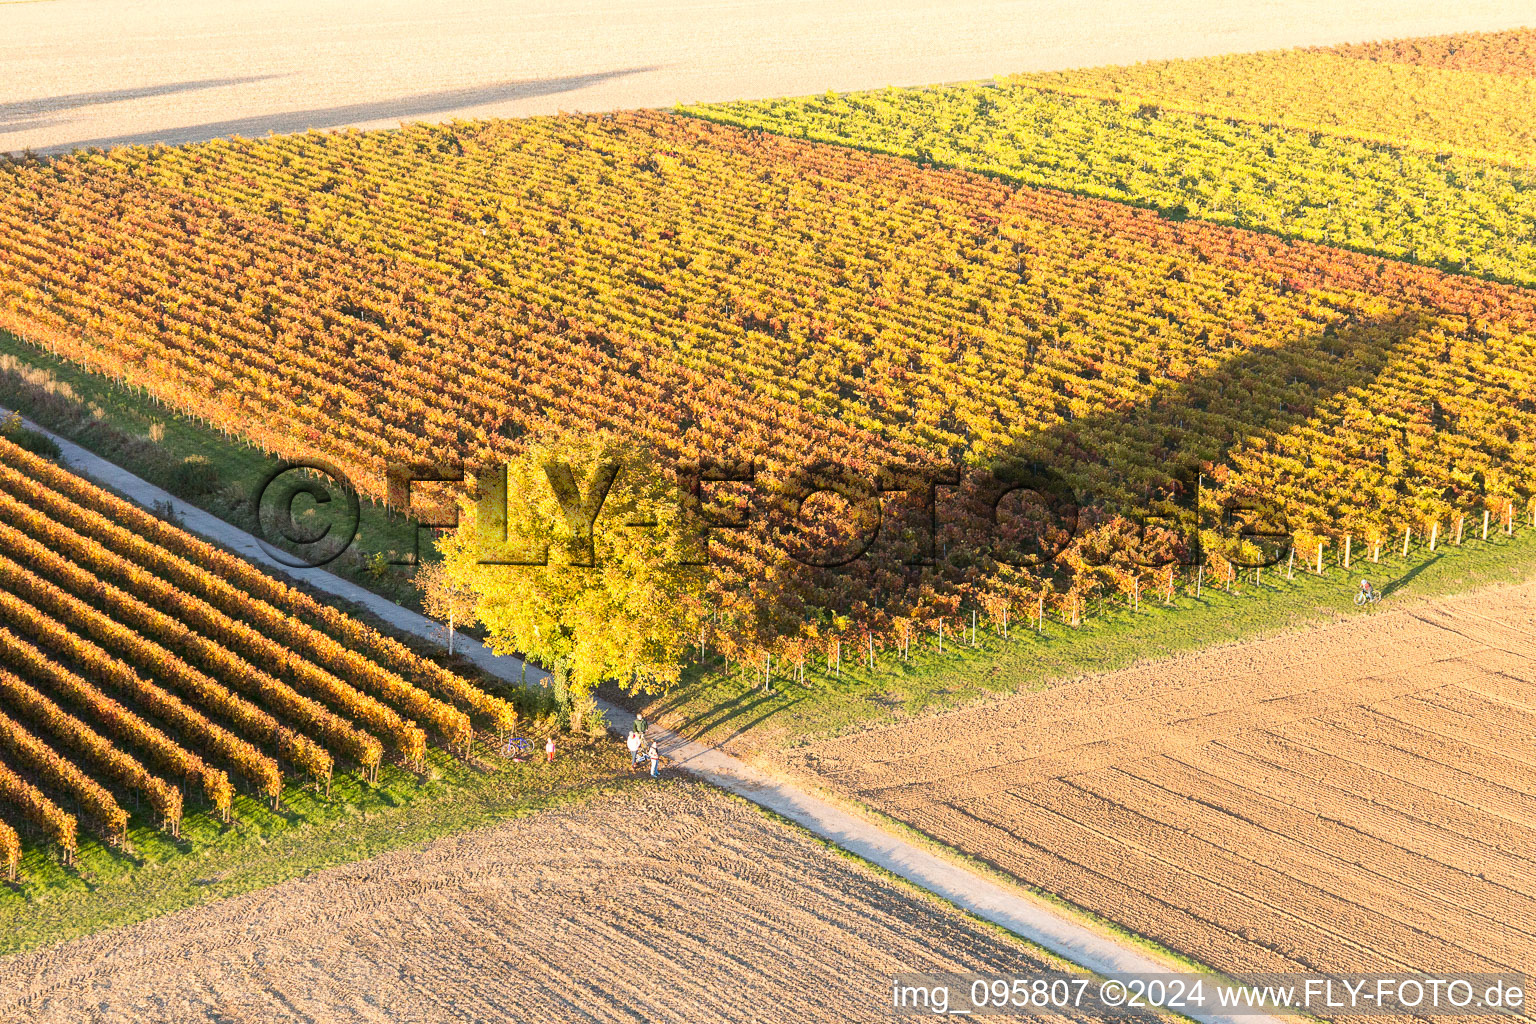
(1359, 797)
(681, 905)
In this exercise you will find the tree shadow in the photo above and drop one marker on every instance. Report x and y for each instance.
(1130, 458)
(1406, 578)
(402, 108)
(23, 115)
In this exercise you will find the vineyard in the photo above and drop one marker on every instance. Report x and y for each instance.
(1435, 166)
(141, 666)
(706, 289)
(1503, 53)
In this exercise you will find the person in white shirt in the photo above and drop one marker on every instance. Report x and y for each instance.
(634, 748)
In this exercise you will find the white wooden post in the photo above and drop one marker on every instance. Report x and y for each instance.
(1348, 540)
(1040, 622)
(1485, 524)
(1434, 533)
(1319, 557)
(1461, 521)
(1136, 592)
(1290, 565)
(1199, 578)
(1407, 533)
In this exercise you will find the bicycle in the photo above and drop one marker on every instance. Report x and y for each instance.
(662, 763)
(1362, 598)
(517, 748)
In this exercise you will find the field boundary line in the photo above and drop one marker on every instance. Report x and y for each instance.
(1032, 920)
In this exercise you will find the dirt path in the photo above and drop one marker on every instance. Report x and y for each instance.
(683, 905)
(85, 72)
(1361, 797)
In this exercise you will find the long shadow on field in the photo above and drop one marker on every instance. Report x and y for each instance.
(1138, 455)
(1121, 460)
(736, 708)
(24, 114)
(1407, 577)
(1118, 460)
(402, 108)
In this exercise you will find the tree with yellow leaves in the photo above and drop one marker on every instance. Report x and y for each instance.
(579, 557)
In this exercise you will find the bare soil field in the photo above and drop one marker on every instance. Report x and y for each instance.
(681, 905)
(1359, 797)
(102, 72)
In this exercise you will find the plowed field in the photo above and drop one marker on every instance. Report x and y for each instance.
(1361, 797)
(681, 905)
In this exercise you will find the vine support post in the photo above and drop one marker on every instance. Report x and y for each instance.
(1319, 557)
(1348, 542)
(1376, 552)
(1199, 580)
(941, 636)
(1407, 536)
(1136, 593)
(1040, 622)
(871, 638)
(1434, 534)
(1485, 524)
(1290, 564)
(973, 627)
(1461, 521)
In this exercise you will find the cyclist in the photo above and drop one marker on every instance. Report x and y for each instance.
(1365, 590)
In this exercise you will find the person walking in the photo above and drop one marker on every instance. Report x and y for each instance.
(549, 750)
(655, 758)
(634, 749)
(640, 726)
